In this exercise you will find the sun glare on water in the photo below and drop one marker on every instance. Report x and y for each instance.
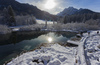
(50, 39)
(50, 4)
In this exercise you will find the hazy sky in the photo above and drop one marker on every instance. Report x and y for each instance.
(57, 6)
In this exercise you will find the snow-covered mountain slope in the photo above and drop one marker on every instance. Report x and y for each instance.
(68, 11)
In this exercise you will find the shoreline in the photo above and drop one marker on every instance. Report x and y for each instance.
(39, 47)
(42, 47)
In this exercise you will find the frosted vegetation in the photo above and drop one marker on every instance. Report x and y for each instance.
(88, 25)
(28, 25)
(25, 20)
(4, 29)
(31, 27)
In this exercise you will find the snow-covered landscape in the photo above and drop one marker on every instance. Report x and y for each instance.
(87, 53)
(49, 32)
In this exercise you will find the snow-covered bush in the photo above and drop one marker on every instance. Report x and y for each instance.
(50, 27)
(93, 27)
(25, 20)
(4, 29)
(32, 27)
(61, 27)
(57, 26)
(92, 22)
(75, 26)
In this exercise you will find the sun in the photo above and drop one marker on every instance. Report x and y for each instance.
(50, 4)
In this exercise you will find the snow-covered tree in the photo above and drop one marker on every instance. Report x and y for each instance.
(25, 20)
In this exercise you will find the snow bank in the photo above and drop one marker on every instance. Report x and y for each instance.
(73, 42)
(54, 55)
(92, 49)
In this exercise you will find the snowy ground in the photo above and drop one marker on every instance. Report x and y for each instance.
(87, 53)
(54, 55)
(92, 49)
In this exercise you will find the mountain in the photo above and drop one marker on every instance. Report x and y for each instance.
(25, 9)
(72, 11)
(68, 11)
(72, 14)
(84, 11)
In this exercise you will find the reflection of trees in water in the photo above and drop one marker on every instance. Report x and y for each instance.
(65, 34)
(58, 34)
(17, 37)
(68, 34)
(13, 38)
(4, 37)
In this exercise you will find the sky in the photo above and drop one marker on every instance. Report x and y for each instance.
(56, 6)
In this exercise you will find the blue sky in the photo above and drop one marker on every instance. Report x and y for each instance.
(62, 4)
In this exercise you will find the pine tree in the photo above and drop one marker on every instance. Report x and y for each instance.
(6, 16)
(12, 21)
(65, 21)
(45, 23)
(33, 19)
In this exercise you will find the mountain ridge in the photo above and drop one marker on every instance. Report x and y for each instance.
(25, 9)
(72, 11)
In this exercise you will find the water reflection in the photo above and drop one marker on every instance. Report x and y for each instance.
(50, 39)
(18, 37)
(65, 34)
